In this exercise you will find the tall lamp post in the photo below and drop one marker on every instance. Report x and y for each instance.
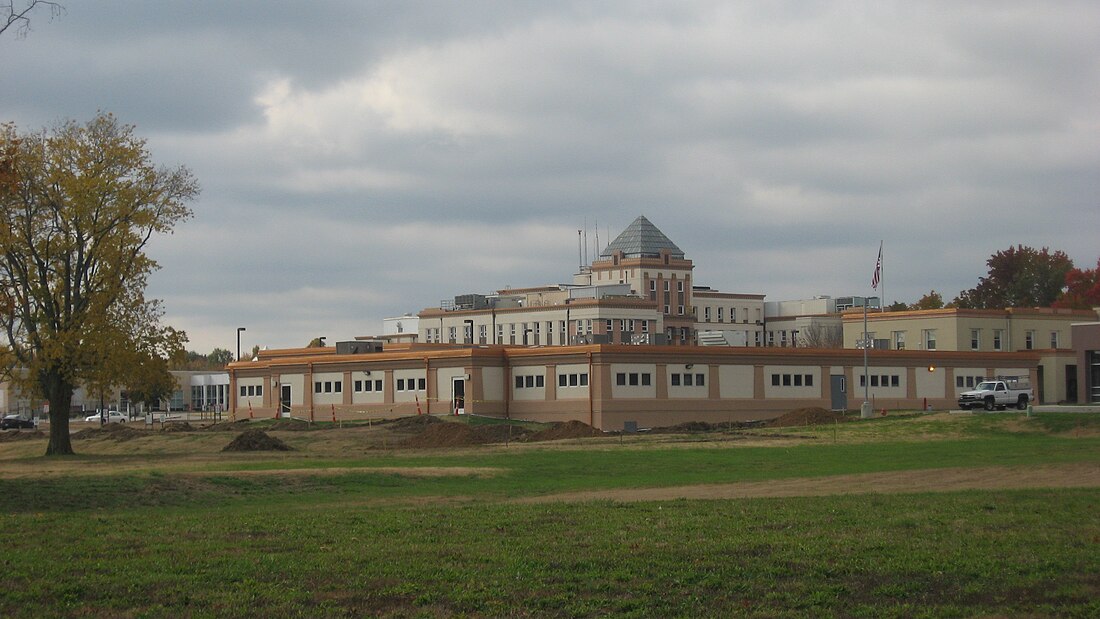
(239, 329)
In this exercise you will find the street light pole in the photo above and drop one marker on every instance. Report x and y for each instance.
(239, 329)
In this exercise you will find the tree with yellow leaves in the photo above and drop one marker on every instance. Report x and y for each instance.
(78, 205)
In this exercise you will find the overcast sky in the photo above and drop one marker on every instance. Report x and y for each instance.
(365, 159)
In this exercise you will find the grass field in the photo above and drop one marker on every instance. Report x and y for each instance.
(350, 525)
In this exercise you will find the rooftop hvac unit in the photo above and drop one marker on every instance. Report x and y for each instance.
(358, 347)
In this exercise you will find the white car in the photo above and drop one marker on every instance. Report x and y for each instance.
(112, 417)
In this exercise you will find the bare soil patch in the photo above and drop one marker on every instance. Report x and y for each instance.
(811, 416)
(414, 422)
(568, 429)
(177, 426)
(226, 426)
(445, 434)
(115, 431)
(1078, 475)
(256, 440)
(21, 435)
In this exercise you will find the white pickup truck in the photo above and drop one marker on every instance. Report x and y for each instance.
(998, 394)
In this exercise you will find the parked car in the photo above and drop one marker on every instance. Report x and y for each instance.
(15, 422)
(110, 417)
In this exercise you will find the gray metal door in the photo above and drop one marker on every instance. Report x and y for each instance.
(838, 386)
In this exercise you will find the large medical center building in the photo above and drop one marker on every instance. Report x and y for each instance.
(633, 340)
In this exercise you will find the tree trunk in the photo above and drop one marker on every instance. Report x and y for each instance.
(60, 395)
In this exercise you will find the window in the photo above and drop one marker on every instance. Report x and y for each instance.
(1054, 339)
(610, 326)
(998, 338)
(620, 379)
(930, 339)
(680, 310)
(680, 286)
(899, 340)
(699, 382)
(675, 380)
(975, 339)
(243, 392)
(775, 380)
(483, 333)
(317, 387)
(1029, 340)
(706, 314)
(646, 379)
(452, 334)
(400, 384)
(421, 384)
(338, 387)
(719, 314)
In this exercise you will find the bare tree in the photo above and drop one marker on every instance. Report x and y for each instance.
(19, 16)
(818, 335)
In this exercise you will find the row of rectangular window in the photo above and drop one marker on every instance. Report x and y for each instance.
(411, 384)
(792, 380)
(573, 380)
(633, 379)
(968, 381)
(883, 380)
(248, 391)
(328, 386)
(368, 385)
(530, 381)
(688, 380)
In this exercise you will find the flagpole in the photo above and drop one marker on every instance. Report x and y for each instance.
(881, 280)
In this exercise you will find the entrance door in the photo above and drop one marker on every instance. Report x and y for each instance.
(838, 386)
(458, 391)
(284, 401)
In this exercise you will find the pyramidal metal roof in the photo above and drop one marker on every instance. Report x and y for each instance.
(641, 239)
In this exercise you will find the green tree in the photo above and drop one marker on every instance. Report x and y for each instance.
(149, 381)
(1082, 289)
(1019, 276)
(932, 300)
(220, 357)
(78, 205)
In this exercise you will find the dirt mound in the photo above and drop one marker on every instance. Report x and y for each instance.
(444, 435)
(415, 421)
(21, 435)
(811, 416)
(501, 433)
(256, 440)
(569, 429)
(115, 431)
(177, 426)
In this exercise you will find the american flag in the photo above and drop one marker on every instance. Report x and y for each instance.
(878, 269)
